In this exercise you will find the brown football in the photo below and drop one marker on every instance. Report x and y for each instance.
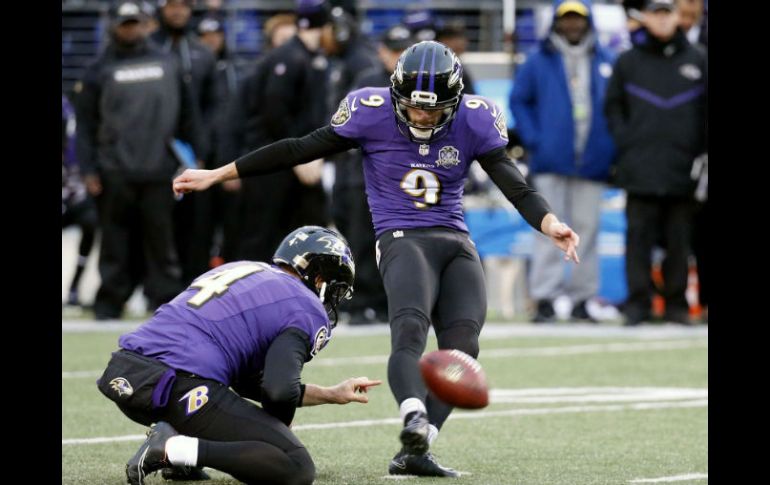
(456, 378)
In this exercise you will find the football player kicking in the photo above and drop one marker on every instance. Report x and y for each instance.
(242, 330)
(418, 139)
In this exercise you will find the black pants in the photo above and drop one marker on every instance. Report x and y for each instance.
(653, 219)
(432, 276)
(194, 233)
(235, 435)
(126, 207)
(227, 219)
(700, 241)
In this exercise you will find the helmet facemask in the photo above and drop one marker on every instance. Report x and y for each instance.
(332, 291)
(421, 133)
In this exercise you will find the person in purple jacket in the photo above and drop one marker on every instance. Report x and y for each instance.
(241, 331)
(418, 139)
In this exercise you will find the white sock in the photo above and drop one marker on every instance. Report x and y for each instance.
(182, 450)
(411, 405)
(432, 434)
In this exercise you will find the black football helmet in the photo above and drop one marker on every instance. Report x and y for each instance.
(313, 251)
(428, 76)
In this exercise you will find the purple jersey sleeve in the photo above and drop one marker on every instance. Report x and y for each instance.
(316, 330)
(486, 122)
(358, 116)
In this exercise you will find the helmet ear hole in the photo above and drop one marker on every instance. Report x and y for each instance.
(319, 254)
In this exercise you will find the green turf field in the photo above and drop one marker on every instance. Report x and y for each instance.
(617, 409)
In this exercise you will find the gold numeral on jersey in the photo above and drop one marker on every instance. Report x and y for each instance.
(476, 103)
(374, 100)
(422, 183)
(219, 283)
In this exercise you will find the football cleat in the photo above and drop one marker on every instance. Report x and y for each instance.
(424, 465)
(185, 474)
(151, 456)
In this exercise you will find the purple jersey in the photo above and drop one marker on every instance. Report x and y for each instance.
(222, 325)
(411, 184)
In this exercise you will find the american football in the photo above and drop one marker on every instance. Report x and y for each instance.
(456, 378)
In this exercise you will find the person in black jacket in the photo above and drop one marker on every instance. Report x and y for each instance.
(656, 111)
(133, 102)
(193, 218)
(229, 76)
(350, 54)
(176, 35)
(284, 96)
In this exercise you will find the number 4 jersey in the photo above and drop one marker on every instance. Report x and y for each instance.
(222, 325)
(411, 184)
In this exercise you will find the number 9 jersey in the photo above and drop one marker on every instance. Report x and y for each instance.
(410, 184)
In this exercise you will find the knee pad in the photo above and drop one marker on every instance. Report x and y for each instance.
(463, 335)
(409, 331)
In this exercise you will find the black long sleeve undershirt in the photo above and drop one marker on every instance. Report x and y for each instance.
(281, 389)
(289, 152)
(532, 206)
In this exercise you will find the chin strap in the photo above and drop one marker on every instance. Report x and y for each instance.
(322, 292)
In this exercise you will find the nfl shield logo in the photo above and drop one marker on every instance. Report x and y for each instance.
(424, 150)
(448, 157)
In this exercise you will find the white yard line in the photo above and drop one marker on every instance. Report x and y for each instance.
(81, 374)
(595, 394)
(555, 351)
(417, 477)
(112, 439)
(675, 478)
(491, 331)
(464, 415)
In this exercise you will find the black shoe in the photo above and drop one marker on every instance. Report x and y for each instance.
(185, 474)
(679, 317)
(634, 314)
(414, 436)
(545, 312)
(106, 312)
(73, 299)
(634, 319)
(151, 456)
(424, 465)
(580, 312)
